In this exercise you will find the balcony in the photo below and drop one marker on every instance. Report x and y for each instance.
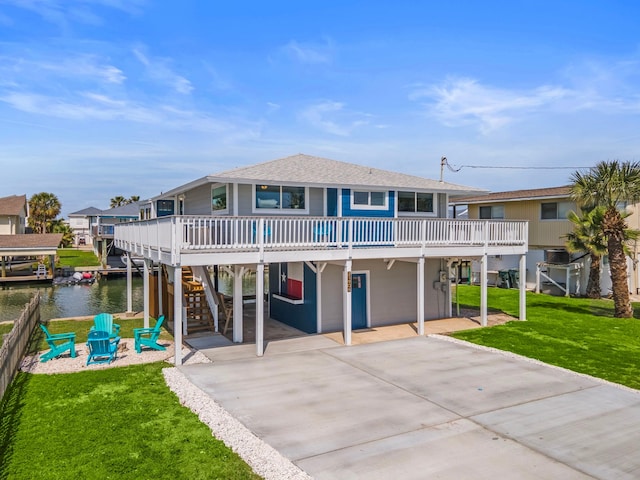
(102, 231)
(176, 240)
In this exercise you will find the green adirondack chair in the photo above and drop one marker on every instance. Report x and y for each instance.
(103, 322)
(59, 344)
(148, 337)
(101, 348)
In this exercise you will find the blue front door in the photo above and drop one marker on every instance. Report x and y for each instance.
(358, 301)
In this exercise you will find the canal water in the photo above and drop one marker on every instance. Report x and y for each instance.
(105, 295)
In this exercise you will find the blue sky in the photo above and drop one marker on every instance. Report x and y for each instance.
(100, 98)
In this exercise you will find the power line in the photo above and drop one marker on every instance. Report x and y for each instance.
(444, 161)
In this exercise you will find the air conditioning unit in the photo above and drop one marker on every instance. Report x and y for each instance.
(557, 256)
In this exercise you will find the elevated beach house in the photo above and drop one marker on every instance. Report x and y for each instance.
(347, 246)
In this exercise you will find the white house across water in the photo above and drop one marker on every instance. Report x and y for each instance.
(347, 246)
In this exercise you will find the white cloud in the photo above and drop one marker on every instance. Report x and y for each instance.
(159, 70)
(310, 53)
(332, 117)
(465, 101)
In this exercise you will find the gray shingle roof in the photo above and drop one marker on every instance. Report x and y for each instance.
(317, 171)
(86, 212)
(13, 205)
(128, 210)
(31, 240)
(514, 195)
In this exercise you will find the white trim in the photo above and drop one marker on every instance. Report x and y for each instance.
(279, 211)
(298, 301)
(339, 200)
(235, 200)
(354, 206)
(224, 211)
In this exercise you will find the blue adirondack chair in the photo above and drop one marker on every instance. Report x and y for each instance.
(101, 348)
(59, 344)
(148, 337)
(103, 322)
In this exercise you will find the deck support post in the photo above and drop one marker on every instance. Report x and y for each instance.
(260, 309)
(175, 274)
(483, 290)
(238, 273)
(522, 284)
(4, 268)
(319, 269)
(145, 291)
(129, 287)
(160, 308)
(420, 293)
(346, 283)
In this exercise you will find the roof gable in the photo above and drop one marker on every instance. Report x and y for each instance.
(13, 205)
(86, 212)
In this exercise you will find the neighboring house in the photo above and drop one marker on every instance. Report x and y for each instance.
(347, 246)
(13, 214)
(81, 222)
(546, 211)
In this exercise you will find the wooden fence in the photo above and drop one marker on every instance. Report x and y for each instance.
(15, 343)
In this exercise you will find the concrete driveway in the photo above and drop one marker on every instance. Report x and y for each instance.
(424, 407)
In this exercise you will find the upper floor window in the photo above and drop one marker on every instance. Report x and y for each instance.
(555, 210)
(219, 198)
(164, 208)
(280, 197)
(415, 202)
(492, 212)
(374, 200)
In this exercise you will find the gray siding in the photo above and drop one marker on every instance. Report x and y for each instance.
(245, 199)
(198, 201)
(393, 293)
(316, 205)
(442, 205)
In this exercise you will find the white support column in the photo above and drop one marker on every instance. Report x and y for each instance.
(567, 291)
(483, 290)
(160, 309)
(523, 287)
(145, 291)
(537, 277)
(260, 310)
(176, 274)
(346, 285)
(319, 269)
(129, 287)
(238, 272)
(420, 292)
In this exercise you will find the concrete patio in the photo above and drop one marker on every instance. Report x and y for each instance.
(424, 407)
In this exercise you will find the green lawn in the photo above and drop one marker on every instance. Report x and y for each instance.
(5, 328)
(575, 333)
(119, 423)
(71, 257)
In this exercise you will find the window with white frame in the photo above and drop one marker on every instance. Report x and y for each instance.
(280, 197)
(415, 202)
(219, 197)
(555, 210)
(489, 212)
(371, 200)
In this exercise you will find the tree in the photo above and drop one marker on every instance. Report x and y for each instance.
(587, 236)
(608, 185)
(58, 226)
(119, 200)
(43, 208)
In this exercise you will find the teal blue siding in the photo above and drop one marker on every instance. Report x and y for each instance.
(347, 211)
(303, 317)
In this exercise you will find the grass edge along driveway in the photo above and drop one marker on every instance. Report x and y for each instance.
(578, 334)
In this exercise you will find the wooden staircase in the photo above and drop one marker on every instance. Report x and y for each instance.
(199, 316)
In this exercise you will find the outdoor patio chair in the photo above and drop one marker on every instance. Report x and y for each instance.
(226, 308)
(148, 337)
(104, 323)
(101, 348)
(59, 343)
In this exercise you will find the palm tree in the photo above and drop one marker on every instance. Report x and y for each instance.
(587, 236)
(608, 185)
(58, 226)
(43, 208)
(117, 201)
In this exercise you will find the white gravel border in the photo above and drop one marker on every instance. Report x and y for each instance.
(261, 457)
(505, 353)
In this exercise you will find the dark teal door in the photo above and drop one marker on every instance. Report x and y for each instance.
(358, 301)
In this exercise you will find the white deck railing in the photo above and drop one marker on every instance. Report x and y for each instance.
(191, 234)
